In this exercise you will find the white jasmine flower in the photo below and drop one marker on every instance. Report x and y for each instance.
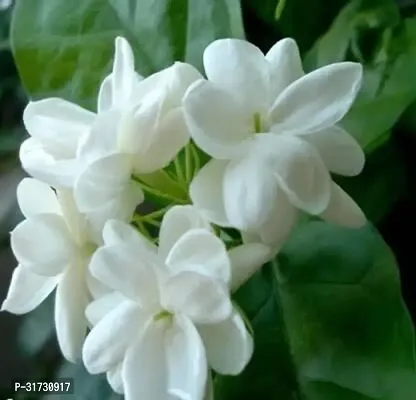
(143, 139)
(172, 316)
(58, 128)
(271, 132)
(53, 249)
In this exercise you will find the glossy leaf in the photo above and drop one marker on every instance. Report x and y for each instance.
(329, 322)
(65, 48)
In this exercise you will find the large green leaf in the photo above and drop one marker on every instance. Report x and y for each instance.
(64, 48)
(329, 322)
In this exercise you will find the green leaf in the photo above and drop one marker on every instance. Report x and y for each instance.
(384, 179)
(329, 322)
(65, 48)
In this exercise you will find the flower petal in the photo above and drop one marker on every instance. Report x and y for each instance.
(201, 251)
(177, 221)
(124, 76)
(107, 342)
(97, 288)
(246, 259)
(128, 269)
(169, 138)
(105, 94)
(201, 298)
(44, 243)
(249, 191)
(285, 65)
(343, 210)
(242, 71)
(105, 186)
(216, 122)
(42, 166)
(27, 290)
(186, 360)
(57, 124)
(340, 152)
(274, 231)
(206, 192)
(228, 344)
(98, 309)
(318, 100)
(298, 168)
(115, 379)
(101, 139)
(144, 369)
(35, 197)
(118, 232)
(70, 303)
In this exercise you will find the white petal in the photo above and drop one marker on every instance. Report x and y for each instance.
(201, 251)
(144, 369)
(128, 269)
(229, 345)
(42, 166)
(186, 360)
(217, 124)
(97, 288)
(57, 124)
(239, 67)
(118, 232)
(285, 65)
(27, 290)
(201, 298)
(340, 152)
(318, 100)
(98, 309)
(170, 137)
(44, 243)
(70, 303)
(206, 192)
(275, 229)
(105, 94)
(250, 191)
(105, 186)
(298, 168)
(246, 259)
(76, 222)
(107, 342)
(124, 77)
(343, 210)
(101, 139)
(35, 197)
(177, 221)
(115, 379)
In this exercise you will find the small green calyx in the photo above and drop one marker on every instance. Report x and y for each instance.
(164, 314)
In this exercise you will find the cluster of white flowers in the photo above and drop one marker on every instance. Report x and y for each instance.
(155, 313)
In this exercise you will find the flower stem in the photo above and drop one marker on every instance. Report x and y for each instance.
(179, 172)
(188, 162)
(152, 182)
(197, 162)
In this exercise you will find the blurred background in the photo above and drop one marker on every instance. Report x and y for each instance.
(27, 343)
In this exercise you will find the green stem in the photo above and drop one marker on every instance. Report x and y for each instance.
(151, 190)
(188, 162)
(197, 163)
(179, 172)
(162, 182)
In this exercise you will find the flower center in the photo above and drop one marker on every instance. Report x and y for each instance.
(163, 314)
